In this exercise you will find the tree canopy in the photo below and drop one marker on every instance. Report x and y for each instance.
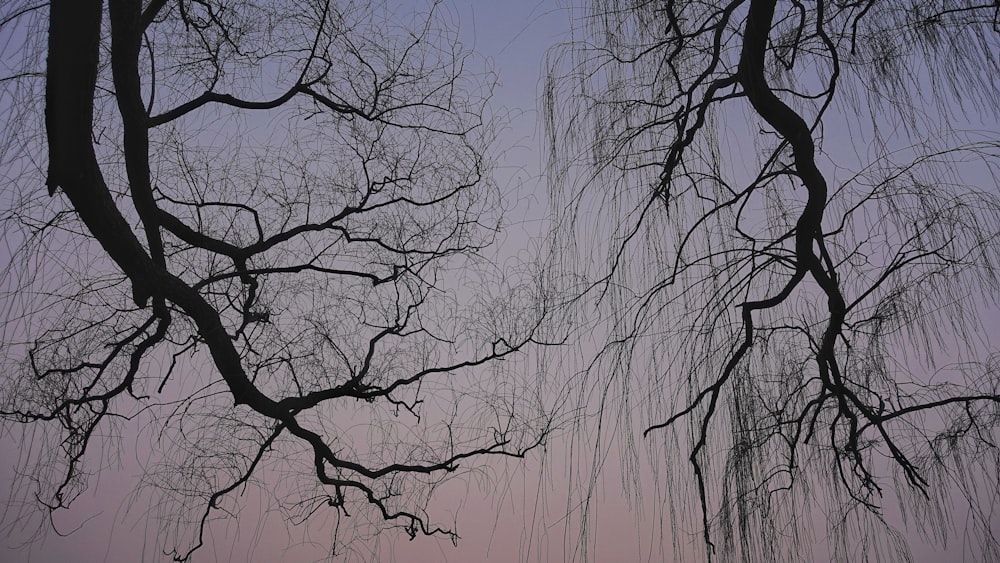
(804, 221)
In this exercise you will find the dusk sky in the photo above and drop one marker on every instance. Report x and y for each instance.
(597, 491)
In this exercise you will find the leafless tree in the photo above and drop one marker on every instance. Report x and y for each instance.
(234, 230)
(800, 209)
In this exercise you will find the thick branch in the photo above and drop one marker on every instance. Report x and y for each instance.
(71, 80)
(126, 41)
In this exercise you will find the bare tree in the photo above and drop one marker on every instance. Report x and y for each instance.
(804, 226)
(234, 236)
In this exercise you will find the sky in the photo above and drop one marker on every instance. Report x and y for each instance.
(531, 511)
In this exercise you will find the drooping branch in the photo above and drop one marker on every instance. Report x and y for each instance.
(783, 344)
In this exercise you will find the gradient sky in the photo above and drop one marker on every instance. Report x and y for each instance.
(525, 513)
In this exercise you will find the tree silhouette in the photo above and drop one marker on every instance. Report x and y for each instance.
(804, 238)
(246, 258)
